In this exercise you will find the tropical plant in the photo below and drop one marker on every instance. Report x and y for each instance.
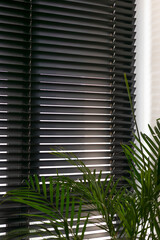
(140, 213)
(144, 201)
(65, 206)
(60, 200)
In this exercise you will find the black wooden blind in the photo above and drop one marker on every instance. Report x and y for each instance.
(61, 85)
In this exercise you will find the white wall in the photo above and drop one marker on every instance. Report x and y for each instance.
(155, 60)
(143, 64)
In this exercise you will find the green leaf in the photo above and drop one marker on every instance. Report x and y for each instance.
(67, 202)
(108, 186)
(37, 183)
(44, 186)
(84, 227)
(62, 199)
(147, 151)
(154, 135)
(41, 207)
(51, 189)
(152, 146)
(66, 228)
(40, 216)
(79, 218)
(158, 170)
(133, 113)
(32, 182)
(57, 194)
(72, 211)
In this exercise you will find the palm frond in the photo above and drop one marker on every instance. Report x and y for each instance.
(54, 202)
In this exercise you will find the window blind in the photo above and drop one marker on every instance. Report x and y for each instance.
(62, 85)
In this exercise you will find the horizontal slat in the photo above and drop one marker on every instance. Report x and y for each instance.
(70, 7)
(86, 3)
(83, 83)
(46, 22)
(16, 5)
(68, 52)
(6, 23)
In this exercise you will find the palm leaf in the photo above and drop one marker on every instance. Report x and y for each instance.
(57, 213)
(99, 195)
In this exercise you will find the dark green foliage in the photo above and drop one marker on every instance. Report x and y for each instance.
(145, 164)
(142, 207)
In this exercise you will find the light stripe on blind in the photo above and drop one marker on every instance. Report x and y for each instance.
(72, 71)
